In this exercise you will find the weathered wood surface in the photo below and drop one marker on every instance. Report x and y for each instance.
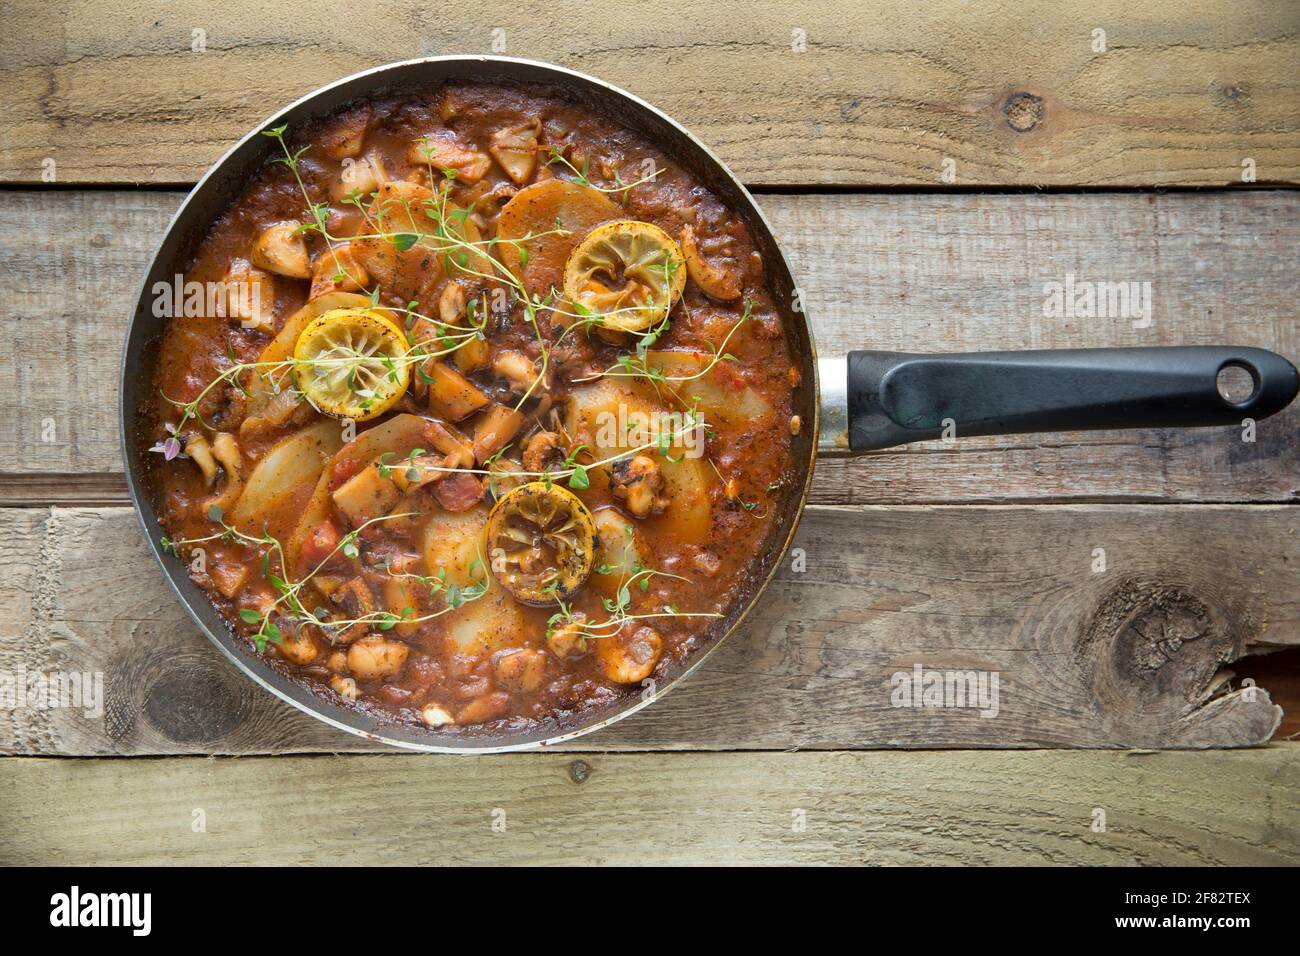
(1130, 657)
(883, 93)
(1043, 808)
(902, 272)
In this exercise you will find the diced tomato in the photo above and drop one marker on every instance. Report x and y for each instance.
(344, 469)
(731, 378)
(320, 543)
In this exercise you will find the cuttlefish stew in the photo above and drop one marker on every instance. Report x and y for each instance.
(474, 410)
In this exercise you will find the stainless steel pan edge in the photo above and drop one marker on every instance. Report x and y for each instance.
(224, 182)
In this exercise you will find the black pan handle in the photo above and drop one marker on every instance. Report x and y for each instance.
(892, 398)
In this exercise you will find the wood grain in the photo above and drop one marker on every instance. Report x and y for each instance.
(901, 272)
(958, 808)
(882, 94)
(1134, 656)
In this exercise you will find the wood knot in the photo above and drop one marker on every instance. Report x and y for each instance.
(579, 771)
(1235, 93)
(194, 700)
(1154, 650)
(1024, 111)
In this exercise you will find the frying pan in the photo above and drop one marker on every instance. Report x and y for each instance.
(854, 403)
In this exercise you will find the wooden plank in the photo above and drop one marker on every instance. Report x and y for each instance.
(881, 94)
(1132, 656)
(901, 272)
(960, 808)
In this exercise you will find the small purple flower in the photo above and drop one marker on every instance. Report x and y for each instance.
(169, 448)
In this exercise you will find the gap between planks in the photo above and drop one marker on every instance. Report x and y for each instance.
(110, 490)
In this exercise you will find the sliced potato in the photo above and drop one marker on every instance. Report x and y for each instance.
(399, 210)
(454, 552)
(229, 577)
(473, 356)
(555, 204)
(397, 436)
(402, 207)
(400, 596)
(495, 430)
(490, 623)
(453, 543)
(592, 419)
(721, 392)
(291, 463)
(409, 259)
(313, 514)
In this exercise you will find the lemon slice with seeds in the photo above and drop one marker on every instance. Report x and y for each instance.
(350, 363)
(628, 273)
(540, 540)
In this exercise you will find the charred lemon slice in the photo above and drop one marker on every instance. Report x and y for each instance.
(350, 363)
(628, 273)
(540, 540)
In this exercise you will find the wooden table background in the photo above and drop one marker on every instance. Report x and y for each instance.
(974, 555)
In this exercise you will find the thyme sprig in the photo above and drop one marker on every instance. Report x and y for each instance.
(583, 176)
(636, 366)
(618, 608)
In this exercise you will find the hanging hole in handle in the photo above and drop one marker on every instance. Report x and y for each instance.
(1237, 382)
